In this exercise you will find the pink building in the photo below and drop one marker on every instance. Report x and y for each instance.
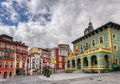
(21, 58)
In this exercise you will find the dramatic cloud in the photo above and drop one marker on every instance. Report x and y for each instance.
(46, 23)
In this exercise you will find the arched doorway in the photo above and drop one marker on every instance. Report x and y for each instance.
(5, 74)
(94, 60)
(106, 62)
(78, 63)
(85, 61)
(68, 64)
(73, 63)
(10, 74)
(117, 61)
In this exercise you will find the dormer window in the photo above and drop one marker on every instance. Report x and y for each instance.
(101, 39)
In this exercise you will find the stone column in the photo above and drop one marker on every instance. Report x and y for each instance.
(71, 64)
(82, 64)
(89, 63)
(75, 64)
(100, 62)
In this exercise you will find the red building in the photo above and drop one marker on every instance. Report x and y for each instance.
(13, 57)
(59, 54)
(21, 58)
(7, 55)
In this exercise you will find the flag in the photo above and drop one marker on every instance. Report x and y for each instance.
(76, 50)
(81, 48)
(79, 51)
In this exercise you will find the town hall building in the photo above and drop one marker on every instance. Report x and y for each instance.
(97, 51)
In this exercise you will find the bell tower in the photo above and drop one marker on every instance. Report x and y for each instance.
(89, 29)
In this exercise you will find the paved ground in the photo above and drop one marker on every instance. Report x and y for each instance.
(67, 78)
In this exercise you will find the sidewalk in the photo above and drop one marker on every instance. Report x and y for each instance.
(67, 76)
(2, 80)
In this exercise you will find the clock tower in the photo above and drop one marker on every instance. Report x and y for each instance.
(89, 29)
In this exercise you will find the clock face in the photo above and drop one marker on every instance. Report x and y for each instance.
(86, 32)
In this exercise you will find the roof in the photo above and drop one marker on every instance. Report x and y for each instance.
(21, 44)
(4, 35)
(105, 26)
(63, 45)
(3, 40)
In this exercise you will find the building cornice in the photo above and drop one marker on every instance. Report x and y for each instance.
(99, 29)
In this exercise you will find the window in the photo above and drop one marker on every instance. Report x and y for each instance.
(86, 45)
(6, 64)
(1, 45)
(33, 66)
(101, 39)
(36, 66)
(7, 54)
(11, 64)
(12, 48)
(17, 65)
(1, 64)
(60, 59)
(43, 60)
(0, 72)
(60, 65)
(93, 42)
(23, 65)
(33, 60)
(114, 36)
(40, 66)
(40, 61)
(1, 54)
(8, 46)
(11, 55)
(117, 61)
(115, 47)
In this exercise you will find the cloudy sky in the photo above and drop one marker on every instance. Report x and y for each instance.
(47, 23)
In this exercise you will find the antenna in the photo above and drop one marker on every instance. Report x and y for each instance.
(89, 19)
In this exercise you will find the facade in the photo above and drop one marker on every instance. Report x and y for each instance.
(62, 51)
(21, 58)
(34, 60)
(58, 55)
(46, 57)
(12, 53)
(35, 64)
(41, 59)
(7, 56)
(97, 51)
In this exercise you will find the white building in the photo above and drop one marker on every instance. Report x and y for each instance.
(35, 64)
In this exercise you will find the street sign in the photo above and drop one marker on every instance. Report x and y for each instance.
(52, 58)
(52, 62)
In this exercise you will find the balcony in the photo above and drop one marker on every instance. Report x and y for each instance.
(7, 58)
(2, 49)
(12, 50)
(98, 49)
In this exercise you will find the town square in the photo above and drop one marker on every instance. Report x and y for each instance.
(59, 42)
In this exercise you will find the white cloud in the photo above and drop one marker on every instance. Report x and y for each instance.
(9, 10)
(69, 18)
(9, 30)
